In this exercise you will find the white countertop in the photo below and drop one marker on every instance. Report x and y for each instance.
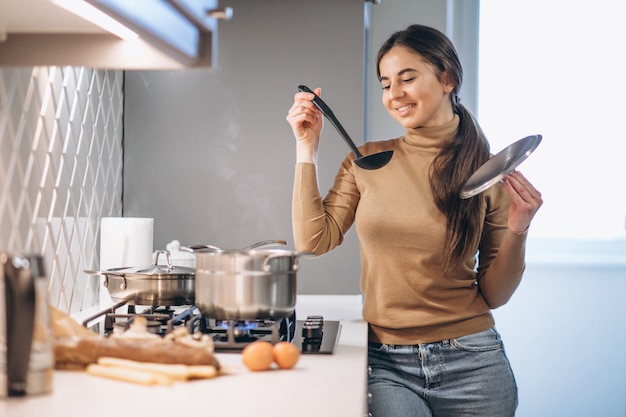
(320, 385)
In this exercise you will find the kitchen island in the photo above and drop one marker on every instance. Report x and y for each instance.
(332, 385)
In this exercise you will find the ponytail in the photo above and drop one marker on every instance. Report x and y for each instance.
(463, 155)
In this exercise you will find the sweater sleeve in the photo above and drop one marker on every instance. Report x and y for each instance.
(501, 254)
(319, 225)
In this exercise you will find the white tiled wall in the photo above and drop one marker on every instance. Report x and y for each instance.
(61, 160)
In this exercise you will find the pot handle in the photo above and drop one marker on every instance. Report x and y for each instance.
(266, 262)
(265, 243)
(211, 248)
(106, 276)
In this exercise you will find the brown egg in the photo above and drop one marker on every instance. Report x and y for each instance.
(286, 355)
(258, 356)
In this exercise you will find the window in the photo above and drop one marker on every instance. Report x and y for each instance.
(558, 68)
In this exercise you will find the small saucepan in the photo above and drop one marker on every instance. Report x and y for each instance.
(153, 285)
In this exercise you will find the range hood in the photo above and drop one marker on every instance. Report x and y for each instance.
(161, 34)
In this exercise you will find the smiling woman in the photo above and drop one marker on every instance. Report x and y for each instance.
(560, 78)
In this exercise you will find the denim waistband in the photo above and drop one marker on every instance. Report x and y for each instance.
(445, 342)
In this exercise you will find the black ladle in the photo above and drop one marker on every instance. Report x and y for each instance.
(374, 161)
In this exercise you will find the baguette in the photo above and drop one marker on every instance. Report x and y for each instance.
(174, 372)
(128, 375)
(202, 371)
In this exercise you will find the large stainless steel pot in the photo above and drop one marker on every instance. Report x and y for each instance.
(153, 285)
(246, 284)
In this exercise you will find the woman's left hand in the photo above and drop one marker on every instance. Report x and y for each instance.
(525, 201)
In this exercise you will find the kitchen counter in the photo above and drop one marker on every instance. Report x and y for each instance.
(320, 385)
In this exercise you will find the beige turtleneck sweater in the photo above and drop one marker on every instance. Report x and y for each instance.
(407, 297)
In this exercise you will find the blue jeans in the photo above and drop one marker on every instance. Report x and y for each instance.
(467, 376)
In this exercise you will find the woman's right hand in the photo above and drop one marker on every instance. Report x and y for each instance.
(306, 122)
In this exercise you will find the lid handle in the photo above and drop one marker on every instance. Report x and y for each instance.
(168, 256)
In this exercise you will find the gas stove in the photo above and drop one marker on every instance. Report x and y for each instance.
(314, 335)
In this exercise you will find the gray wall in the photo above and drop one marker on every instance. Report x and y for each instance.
(210, 155)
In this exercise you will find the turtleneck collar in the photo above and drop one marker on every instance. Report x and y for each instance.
(431, 138)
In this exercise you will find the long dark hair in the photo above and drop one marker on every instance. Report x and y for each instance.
(462, 155)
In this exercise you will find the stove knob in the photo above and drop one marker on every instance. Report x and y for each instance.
(314, 324)
(311, 331)
(315, 321)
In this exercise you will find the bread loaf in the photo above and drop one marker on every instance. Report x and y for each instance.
(75, 349)
(73, 353)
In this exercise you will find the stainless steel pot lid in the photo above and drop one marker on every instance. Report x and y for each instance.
(499, 166)
(151, 271)
(158, 271)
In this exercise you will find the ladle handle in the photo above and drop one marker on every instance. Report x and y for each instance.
(331, 116)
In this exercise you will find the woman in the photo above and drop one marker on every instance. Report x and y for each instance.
(432, 265)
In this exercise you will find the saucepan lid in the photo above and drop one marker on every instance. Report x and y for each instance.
(499, 166)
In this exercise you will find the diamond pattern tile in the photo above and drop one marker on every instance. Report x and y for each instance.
(60, 171)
